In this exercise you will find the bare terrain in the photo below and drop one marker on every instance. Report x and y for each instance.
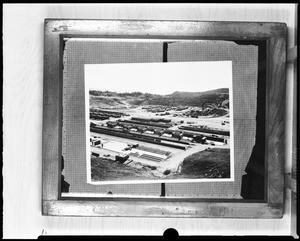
(193, 122)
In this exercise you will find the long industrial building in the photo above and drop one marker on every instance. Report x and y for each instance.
(140, 137)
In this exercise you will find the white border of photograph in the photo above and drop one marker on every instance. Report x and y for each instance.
(224, 71)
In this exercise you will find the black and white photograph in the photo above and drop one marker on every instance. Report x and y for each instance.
(148, 122)
(159, 121)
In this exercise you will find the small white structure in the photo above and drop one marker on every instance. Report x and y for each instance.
(94, 141)
(187, 138)
(149, 132)
(216, 143)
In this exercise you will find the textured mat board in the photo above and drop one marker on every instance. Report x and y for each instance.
(77, 53)
(244, 97)
(244, 72)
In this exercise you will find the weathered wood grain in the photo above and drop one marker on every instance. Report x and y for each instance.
(51, 118)
(294, 220)
(161, 209)
(294, 119)
(167, 29)
(292, 54)
(275, 119)
(290, 182)
(273, 33)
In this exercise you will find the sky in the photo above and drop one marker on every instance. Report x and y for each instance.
(159, 78)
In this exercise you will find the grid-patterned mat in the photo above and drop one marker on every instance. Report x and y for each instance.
(79, 52)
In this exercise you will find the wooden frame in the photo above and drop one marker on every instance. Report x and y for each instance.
(275, 36)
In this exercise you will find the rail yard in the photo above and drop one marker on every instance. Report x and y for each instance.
(143, 138)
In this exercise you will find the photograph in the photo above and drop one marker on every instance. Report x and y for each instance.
(136, 119)
(154, 122)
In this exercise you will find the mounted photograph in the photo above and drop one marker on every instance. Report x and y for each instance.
(154, 122)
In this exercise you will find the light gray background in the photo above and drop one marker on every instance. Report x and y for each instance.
(22, 116)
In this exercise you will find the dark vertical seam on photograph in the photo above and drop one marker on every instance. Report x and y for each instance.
(165, 52)
(165, 59)
(163, 190)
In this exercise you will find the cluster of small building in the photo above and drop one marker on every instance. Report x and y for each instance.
(105, 115)
(158, 130)
(157, 108)
(150, 127)
(155, 131)
(195, 113)
(123, 153)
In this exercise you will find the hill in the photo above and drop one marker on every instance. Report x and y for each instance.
(218, 98)
(197, 99)
(180, 94)
(210, 163)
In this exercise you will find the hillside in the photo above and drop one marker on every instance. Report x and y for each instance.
(103, 169)
(210, 163)
(218, 98)
(180, 94)
(197, 99)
